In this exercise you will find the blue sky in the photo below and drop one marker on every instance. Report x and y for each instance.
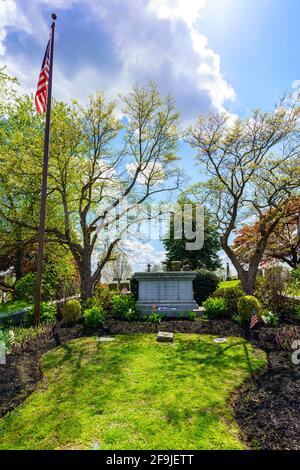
(210, 54)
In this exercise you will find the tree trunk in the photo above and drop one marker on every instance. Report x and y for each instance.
(248, 281)
(247, 278)
(18, 260)
(86, 280)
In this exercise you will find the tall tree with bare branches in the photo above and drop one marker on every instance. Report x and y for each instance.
(252, 167)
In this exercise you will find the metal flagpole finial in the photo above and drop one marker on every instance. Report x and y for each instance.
(53, 16)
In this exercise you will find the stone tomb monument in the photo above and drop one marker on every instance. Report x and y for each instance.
(170, 293)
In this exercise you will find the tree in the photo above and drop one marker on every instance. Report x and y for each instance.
(252, 171)
(206, 258)
(97, 163)
(283, 244)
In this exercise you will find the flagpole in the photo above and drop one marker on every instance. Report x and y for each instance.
(39, 272)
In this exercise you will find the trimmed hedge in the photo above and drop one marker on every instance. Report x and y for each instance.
(71, 312)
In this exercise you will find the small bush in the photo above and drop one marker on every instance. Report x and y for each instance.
(7, 338)
(192, 316)
(93, 317)
(269, 318)
(71, 312)
(204, 285)
(271, 288)
(123, 307)
(104, 298)
(48, 314)
(231, 295)
(246, 305)
(155, 318)
(215, 307)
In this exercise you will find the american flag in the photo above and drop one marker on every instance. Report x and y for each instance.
(254, 319)
(42, 87)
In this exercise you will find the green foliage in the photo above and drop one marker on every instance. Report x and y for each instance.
(231, 295)
(204, 285)
(7, 338)
(25, 287)
(297, 310)
(192, 316)
(104, 298)
(246, 305)
(71, 312)
(270, 289)
(93, 317)
(23, 335)
(269, 318)
(215, 307)
(48, 313)
(294, 287)
(206, 258)
(123, 307)
(155, 318)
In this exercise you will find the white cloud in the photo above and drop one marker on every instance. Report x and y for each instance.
(186, 10)
(11, 18)
(148, 39)
(142, 253)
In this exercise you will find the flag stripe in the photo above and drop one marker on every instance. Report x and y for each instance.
(254, 319)
(42, 86)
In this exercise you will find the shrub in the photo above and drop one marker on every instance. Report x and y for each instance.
(71, 312)
(215, 307)
(155, 318)
(93, 317)
(246, 305)
(123, 307)
(25, 286)
(48, 314)
(204, 285)
(192, 316)
(295, 281)
(271, 288)
(231, 295)
(104, 298)
(269, 318)
(7, 338)
(297, 310)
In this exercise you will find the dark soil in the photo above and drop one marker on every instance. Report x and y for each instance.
(21, 373)
(214, 327)
(267, 408)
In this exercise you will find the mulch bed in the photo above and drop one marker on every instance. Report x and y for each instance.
(21, 373)
(267, 408)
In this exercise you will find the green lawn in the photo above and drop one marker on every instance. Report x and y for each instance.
(227, 284)
(134, 393)
(13, 306)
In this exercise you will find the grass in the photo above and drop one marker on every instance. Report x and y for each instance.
(12, 306)
(134, 393)
(228, 284)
